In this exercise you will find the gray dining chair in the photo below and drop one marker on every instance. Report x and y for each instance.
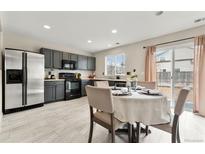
(102, 84)
(173, 126)
(101, 99)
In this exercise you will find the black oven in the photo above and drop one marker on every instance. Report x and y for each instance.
(72, 85)
(72, 89)
(69, 64)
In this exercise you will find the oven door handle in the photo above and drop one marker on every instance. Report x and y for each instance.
(69, 85)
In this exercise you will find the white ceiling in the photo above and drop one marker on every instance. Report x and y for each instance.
(73, 29)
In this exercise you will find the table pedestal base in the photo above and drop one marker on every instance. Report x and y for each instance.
(133, 132)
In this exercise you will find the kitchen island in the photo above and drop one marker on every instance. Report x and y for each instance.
(90, 81)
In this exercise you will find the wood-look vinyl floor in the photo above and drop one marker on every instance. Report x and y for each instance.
(68, 122)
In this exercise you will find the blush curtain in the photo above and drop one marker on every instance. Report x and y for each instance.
(199, 75)
(150, 64)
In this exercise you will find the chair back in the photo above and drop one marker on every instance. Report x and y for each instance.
(148, 85)
(102, 84)
(181, 101)
(100, 98)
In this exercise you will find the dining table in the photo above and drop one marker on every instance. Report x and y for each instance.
(139, 107)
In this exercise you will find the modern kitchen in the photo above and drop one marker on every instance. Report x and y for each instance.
(63, 73)
(60, 74)
(59, 70)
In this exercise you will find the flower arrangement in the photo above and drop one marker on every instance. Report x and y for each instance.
(132, 76)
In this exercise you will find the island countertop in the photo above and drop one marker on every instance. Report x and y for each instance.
(54, 79)
(104, 79)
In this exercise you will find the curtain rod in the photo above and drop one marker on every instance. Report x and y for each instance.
(172, 41)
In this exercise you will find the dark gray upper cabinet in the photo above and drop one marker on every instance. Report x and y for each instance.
(82, 62)
(57, 59)
(48, 57)
(91, 63)
(74, 57)
(53, 59)
(70, 56)
(66, 56)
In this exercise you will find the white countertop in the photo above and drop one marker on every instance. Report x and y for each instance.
(123, 80)
(54, 79)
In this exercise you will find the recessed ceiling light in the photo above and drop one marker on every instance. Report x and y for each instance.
(90, 41)
(46, 27)
(109, 45)
(158, 13)
(114, 31)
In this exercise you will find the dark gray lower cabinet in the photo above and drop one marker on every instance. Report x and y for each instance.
(120, 83)
(60, 90)
(49, 93)
(83, 84)
(54, 91)
(111, 83)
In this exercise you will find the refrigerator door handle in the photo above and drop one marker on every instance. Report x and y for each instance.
(26, 80)
(23, 83)
(24, 66)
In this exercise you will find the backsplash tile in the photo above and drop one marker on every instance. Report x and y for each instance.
(84, 74)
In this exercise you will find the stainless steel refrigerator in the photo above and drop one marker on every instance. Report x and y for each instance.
(23, 79)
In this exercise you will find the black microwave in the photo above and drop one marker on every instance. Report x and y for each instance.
(69, 64)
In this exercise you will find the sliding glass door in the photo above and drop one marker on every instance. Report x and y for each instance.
(175, 71)
(164, 72)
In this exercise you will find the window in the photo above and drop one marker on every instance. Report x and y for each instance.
(115, 65)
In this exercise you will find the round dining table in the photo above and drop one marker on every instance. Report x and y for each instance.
(144, 108)
(138, 107)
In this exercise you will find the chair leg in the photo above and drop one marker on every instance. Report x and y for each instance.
(129, 132)
(91, 132)
(133, 137)
(113, 135)
(146, 130)
(138, 132)
(174, 128)
(178, 135)
(174, 137)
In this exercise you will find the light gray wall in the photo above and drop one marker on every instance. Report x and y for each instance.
(136, 54)
(19, 41)
(1, 49)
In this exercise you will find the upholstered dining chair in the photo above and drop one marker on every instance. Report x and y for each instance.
(173, 126)
(101, 99)
(101, 84)
(148, 85)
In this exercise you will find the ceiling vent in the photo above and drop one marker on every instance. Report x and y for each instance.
(158, 13)
(199, 20)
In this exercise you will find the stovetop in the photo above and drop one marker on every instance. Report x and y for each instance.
(68, 76)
